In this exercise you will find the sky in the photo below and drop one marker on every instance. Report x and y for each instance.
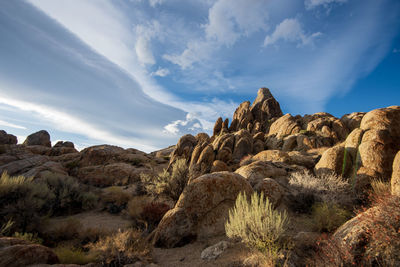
(142, 73)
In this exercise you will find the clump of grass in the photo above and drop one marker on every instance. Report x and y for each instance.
(328, 217)
(72, 255)
(6, 228)
(31, 237)
(116, 195)
(258, 225)
(123, 247)
(168, 184)
(328, 188)
(380, 190)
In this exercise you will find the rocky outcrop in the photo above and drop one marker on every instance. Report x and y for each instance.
(41, 138)
(352, 120)
(217, 127)
(271, 189)
(395, 181)
(201, 210)
(334, 160)
(285, 125)
(15, 253)
(7, 139)
(258, 170)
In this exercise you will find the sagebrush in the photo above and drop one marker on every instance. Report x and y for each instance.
(328, 188)
(327, 217)
(166, 183)
(257, 224)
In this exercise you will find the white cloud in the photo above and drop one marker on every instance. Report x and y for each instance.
(227, 23)
(179, 127)
(12, 125)
(310, 4)
(67, 123)
(290, 30)
(145, 33)
(153, 3)
(161, 72)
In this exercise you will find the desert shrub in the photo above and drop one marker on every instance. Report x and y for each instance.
(383, 237)
(5, 228)
(31, 237)
(116, 195)
(257, 224)
(328, 188)
(302, 202)
(123, 247)
(136, 204)
(328, 217)
(380, 190)
(66, 230)
(23, 201)
(72, 255)
(169, 184)
(153, 212)
(68, 194)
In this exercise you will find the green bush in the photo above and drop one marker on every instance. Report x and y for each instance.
(257, 224)
(31, 237)
(327, 217)
(23, 201)
(68, 194)
(169, 184)
(72, 255)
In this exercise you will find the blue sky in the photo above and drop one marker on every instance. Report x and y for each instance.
(141, 73)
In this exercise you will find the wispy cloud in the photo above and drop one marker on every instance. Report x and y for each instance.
(12, 125)
(161, 72)
(310, 4)
(290, 30)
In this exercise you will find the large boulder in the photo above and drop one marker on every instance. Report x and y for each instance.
(271, 189)
(100, 155)
(285, 125)
(334, 160)
(395, 181)
(14, 253)
(217, 127)
(7, 139)
(243, 144)
(40, 138)
(352, 120)
(201, 210)
(258, 170)
(184, 149)
(380, 142)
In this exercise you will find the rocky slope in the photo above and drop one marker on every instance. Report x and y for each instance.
(258, 151)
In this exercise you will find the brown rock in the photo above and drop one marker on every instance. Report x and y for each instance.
(352, 120)
(26, 254)
(7, 139)
(41, 138)
(285, 125)
(271, 189)
(241, 117)
(217, 126)
(111, 174)
(264, 108)
(395, 181)
(219, 166)
(243, 144)
(99, 155)
(333, 161)
(258, 170)
(201, 210)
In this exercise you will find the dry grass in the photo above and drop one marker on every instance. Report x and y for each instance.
(328, 188)
(121, 248)
(136, 204)
(328, 217)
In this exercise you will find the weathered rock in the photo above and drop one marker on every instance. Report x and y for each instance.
(225, 154)
(163, 153)
(258, 170)
(219, 166)
(271, 189)
(272, 155)
(352, 120)
(184, 149)
(224, 141)
(285, 125)
(99, 155)
(39, 150)
(242, 117)
(264, 108)
(204, 161)
(64, 144)
(111, 174)
(19, 167)
(395, 181)
(201, 210)
(212, 252)
(293, 157)
(41, 138)
(243, 144)
(217, 126)
(26, 254)
(7, 139)
(334, 160)
(258, 146)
